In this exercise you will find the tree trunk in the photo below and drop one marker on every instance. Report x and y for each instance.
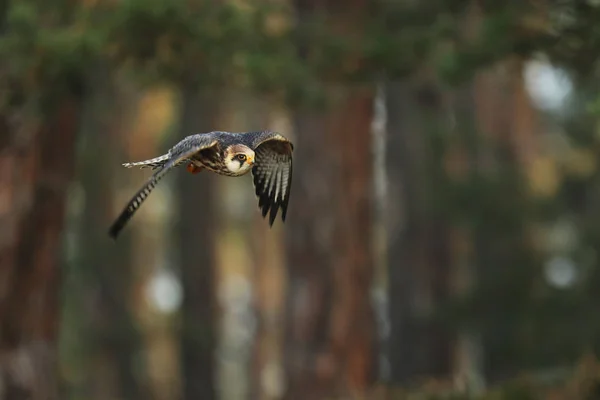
(100, 284)
(403, 210)
(37, 168)
(330, 327)
(196, 229)
(418, 258)
(330, 322)
(516, 130)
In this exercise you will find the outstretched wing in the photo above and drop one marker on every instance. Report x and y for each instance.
(272, 173)
(181, 151)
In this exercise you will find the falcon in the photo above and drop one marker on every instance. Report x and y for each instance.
(267, 154)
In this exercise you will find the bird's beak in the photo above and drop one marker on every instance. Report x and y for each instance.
(251, 160)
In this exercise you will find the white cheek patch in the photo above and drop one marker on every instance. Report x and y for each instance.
(233, 166)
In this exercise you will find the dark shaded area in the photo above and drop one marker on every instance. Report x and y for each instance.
(418, 238)
(195, 229)
(30, 299)
(102, 279)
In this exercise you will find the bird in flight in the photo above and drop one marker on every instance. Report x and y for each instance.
(266, 153)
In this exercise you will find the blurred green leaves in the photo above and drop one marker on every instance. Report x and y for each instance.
(41, 57)
(267, 47)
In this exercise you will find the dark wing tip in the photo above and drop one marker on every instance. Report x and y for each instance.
(135, 203)
(286, 195)
(265, 202)
(283, 211)
(113, 233)
(269, 177)
(268, 204)
(273, 213)
(117, 226)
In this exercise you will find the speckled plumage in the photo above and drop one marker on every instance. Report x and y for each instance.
(271, 170)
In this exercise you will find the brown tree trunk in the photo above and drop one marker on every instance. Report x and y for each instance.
(404, 211)
(196, 229)
(36, 167)
(515, 129)
(418, 258)
(330, 327)
(330, 323)
(101, 279)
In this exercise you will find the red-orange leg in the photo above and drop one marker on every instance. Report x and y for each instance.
(193, 168)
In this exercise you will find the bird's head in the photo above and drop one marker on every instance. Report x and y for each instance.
(239, 159)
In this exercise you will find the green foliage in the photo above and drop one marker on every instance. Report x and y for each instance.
(168, 40)
(42, 58)
(49, 48)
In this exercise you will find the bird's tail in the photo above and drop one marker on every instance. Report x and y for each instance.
(152, 163)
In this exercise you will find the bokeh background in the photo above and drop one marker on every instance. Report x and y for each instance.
(444, 226)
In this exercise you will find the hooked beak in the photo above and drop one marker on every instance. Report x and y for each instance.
(250, 160)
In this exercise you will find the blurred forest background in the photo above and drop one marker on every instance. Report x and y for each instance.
(444, 224)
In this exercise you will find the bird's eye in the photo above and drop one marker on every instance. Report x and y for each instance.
(241, 157)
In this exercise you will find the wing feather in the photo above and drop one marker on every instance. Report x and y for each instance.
(179, 153)
(272, 174)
